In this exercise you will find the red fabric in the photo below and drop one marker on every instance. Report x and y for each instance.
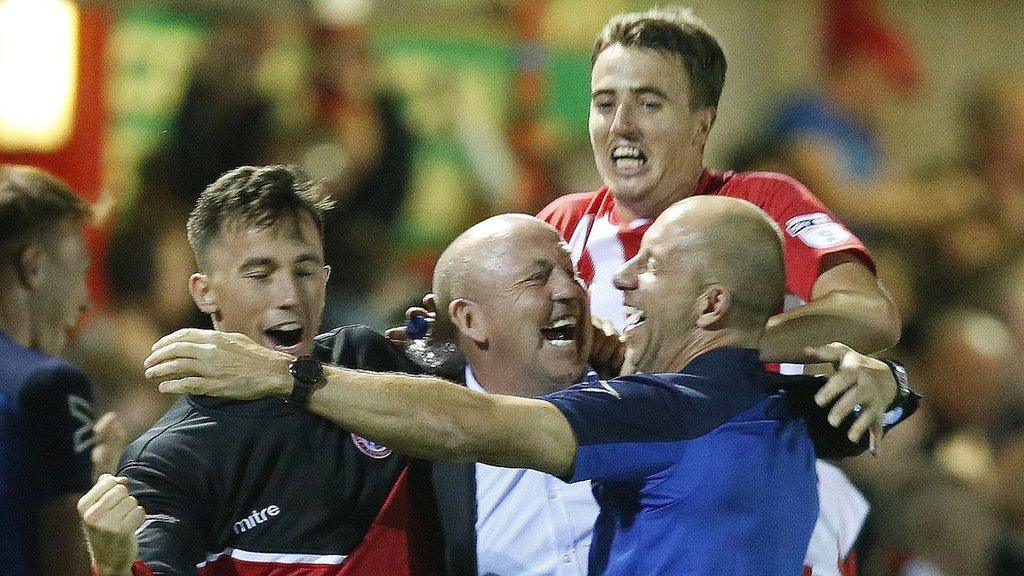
(849, 565)
(140, 569)
(780, 196)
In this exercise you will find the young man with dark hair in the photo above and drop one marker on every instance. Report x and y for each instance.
(223, 487)
(47, 431)
(656, 80)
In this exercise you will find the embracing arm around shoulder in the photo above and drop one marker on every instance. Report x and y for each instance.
(435, 419)
(848, 304)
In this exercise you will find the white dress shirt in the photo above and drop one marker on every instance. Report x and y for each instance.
(530, 523)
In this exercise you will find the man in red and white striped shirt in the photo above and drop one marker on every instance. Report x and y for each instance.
(655, 85)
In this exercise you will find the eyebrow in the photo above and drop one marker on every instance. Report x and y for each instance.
(639, 90)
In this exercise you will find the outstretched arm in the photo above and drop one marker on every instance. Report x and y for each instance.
(418, 416)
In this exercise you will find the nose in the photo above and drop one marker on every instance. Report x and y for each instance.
(624, 122)
(564, 285)
(625, 276)
(287, 290)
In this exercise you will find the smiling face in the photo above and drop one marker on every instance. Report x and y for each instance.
(648, 144)
(529, 312)
(266, 282)
(662, 290)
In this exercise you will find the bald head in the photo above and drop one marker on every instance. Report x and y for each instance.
(730, 242)
(464, 266)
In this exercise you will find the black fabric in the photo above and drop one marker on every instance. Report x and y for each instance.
(830, 442)
(454, 484)
(210, 463)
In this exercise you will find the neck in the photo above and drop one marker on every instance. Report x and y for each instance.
(706, 341)
(650, 207)
(14, 316)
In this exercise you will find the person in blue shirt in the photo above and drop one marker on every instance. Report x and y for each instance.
(700, 467)
(49, 440)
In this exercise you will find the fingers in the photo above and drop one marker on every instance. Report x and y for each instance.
(837, 384)
(845, 406)
(417, 311)
(194, 335)
(177, 368)
(861, 425)
(102, 486)
(832, 353)
(108, 501)
(172, 350)
(189, 385)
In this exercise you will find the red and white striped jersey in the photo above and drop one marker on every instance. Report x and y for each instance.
(601, 242)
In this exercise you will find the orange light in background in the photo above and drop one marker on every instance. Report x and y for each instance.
(38, 56)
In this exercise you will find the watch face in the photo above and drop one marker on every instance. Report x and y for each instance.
(307, 369)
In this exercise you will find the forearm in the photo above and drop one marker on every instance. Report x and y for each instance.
(62, 547)
(865, 322)
(428, 417)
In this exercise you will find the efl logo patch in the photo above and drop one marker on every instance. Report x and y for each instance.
(817, 230)
(370, 448)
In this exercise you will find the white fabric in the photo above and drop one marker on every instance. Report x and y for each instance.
(530, 523)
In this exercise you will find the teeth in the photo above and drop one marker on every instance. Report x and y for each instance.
(288, 326)
(570, 321)
(562, 343)
(626, 152)
(629, 163)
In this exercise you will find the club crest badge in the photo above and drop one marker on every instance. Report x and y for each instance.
(370, 448)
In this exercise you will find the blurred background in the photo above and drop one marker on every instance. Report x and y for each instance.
(423, 117)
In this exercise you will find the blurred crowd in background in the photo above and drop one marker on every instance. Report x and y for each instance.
(425, 119)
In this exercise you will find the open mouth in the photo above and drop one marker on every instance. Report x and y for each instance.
(635, 317)
(284, 335)
(561, 332)
(628, 157)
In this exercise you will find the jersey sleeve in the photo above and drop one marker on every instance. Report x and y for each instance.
(171, 537)
(57, 411)
(628, 428)
(809, 229)
(565, 212)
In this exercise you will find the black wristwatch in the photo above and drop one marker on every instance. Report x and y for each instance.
(903, 391)
(308, 375)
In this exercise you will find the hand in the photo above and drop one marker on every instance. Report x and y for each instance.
(607, 351)
(862, 381)
(212, 363)
(111, 439)
(110, 517)
(399, 336)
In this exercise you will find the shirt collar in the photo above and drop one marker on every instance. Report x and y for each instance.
(471, 381)
(729, 365)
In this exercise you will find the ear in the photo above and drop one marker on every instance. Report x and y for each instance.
(468, 320)
(713, 305)
(202, 294)
(30, 267)
(705, 122)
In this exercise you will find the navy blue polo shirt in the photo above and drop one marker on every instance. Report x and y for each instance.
(45, 443)
(704, 472)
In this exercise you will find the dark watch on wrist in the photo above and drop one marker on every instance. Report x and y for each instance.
(903, 391)
(307, 375)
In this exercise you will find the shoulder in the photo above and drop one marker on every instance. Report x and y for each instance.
(564, 211)
(179, 431)
(53, 377)
(758, 186)
(363, 348)
(24, 368)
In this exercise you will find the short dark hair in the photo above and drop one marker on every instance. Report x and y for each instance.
(254, 196)
(32, 204)
(676, 31)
